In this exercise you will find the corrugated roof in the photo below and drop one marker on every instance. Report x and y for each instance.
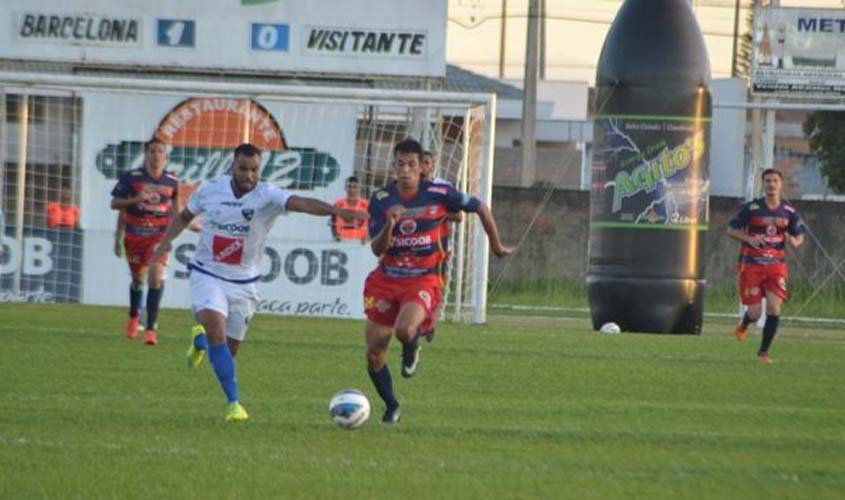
(457, 79)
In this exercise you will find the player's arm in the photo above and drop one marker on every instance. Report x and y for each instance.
(313, 206)
(382, 240)
(737, 226)
(118, 203)
(177, 225)
(457, 201)
(119, 232)
(489, 223)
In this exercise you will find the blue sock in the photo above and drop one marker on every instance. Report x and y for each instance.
(769, 331)
(135, 295)
(153, 301)
(224, 367)
(201, 342)
(746, 320)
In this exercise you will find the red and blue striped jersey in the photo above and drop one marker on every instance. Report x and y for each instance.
(420, 237)
(147, 218)
(774, 224)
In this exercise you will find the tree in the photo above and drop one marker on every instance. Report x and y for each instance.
(826, 132)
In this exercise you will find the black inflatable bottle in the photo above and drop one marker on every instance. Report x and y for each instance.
(649, 199)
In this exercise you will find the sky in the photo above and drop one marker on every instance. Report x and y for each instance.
(575, 32)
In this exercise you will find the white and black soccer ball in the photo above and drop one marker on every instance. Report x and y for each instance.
(349, 409)
(610, 328)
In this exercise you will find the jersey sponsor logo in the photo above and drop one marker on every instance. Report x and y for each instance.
(412, 241)
(408, 226)
(234, 228)
(227, 250)
(199, 153)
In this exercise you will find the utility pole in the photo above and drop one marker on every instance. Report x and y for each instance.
(502, 37)
(736, 39)
(529, 98)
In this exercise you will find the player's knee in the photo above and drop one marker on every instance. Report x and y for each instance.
(405, 333)
(375, 359)
(773, 309)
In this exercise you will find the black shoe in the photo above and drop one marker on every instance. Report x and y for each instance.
(391, 415)
(410, 358)
(429, 336)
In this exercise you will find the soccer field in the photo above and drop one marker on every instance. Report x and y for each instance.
(520, 408)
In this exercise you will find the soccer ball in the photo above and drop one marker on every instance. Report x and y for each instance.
(349, 409)
(610, 328)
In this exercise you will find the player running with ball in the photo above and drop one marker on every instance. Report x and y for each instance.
(238, 211)
(406, 227)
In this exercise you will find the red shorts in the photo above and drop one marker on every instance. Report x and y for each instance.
(755, 281)
(139, 251)
(383, 296)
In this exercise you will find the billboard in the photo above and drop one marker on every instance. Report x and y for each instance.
(365, 37)
(308, 148)
(798, 52)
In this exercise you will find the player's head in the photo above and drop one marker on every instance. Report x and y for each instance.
(245, 167)
(427, 165)
(353, 187)
(772, 182)
(407, 162)
(155, 154)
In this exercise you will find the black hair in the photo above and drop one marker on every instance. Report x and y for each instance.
(352, 178)
(428, 153)
(247, 149)
(409, 146)
(771, 171)
(153, 140)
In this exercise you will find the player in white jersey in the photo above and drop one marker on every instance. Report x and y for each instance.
(238, 212)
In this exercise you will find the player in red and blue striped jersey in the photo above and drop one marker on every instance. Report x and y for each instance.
(406, 228)
(149, 199)
(764, 227)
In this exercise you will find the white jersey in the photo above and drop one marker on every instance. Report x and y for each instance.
(441, 180)
(234, 229)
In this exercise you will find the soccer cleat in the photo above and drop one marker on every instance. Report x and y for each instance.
(150, 337)
(763, 357)
(391, 415)
(131, 327)
(410, 358)
(195, 356)
(236, 413)
(428, 336)
(741, 332)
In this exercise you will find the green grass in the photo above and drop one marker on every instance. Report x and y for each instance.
(804, 299)
(520, 408)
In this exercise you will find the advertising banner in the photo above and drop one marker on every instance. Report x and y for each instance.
(798, 52)
(49, 263)
(364, 37)
(308, 149)
(651, 172)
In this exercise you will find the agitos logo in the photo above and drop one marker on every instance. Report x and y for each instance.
(204, 131)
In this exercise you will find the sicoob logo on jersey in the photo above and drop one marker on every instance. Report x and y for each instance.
(204, 131)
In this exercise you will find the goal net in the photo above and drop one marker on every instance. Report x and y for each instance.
(66, 139)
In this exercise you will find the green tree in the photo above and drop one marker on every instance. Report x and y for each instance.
(826, 132)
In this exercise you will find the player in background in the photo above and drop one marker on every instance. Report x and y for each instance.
(427, 174)
(148, 198)
(350, 231)
(238, 211)
(406, 221)
(764, 227)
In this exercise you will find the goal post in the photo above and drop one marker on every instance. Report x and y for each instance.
(88, 130)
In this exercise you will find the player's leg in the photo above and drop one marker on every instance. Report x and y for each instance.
(775, 295)
(411, 316)
(155, 289)
(243, 300)
(136, 294)
(211, 309)
(750, 294)
(378, 338)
